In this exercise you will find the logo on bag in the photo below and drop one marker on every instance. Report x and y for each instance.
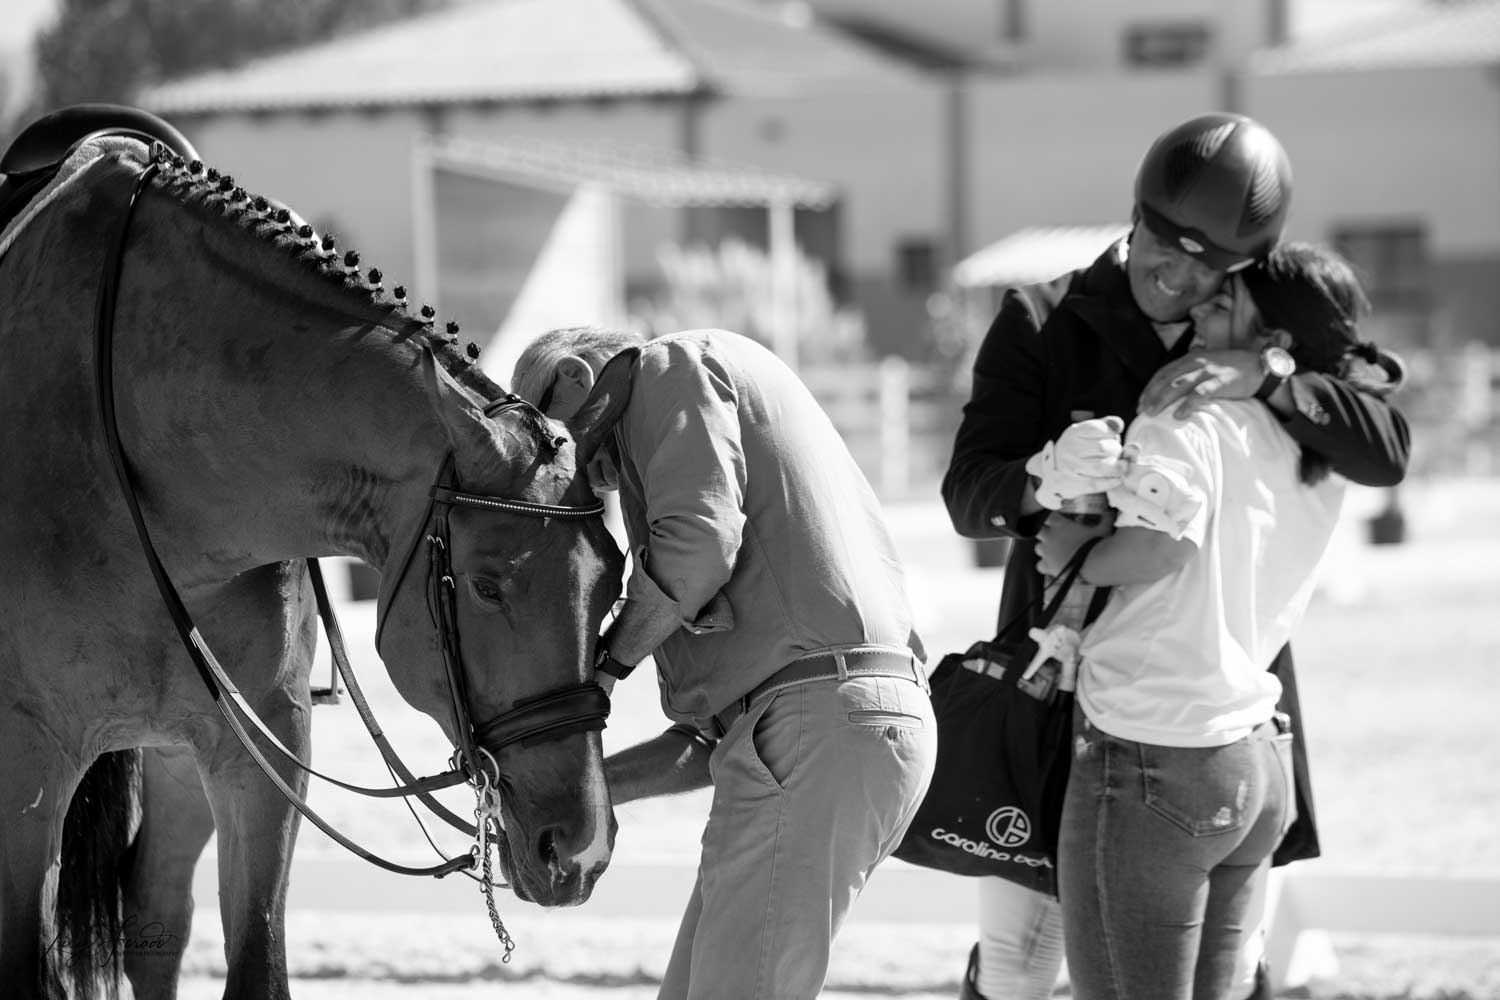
(1008, 827)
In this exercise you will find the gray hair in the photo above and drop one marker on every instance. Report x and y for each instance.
(537, 366)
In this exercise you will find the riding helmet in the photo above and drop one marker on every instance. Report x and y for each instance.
(1218, 187)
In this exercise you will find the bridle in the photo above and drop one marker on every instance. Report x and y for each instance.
(575, 708)
(554, 715)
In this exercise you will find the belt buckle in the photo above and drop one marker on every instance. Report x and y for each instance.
(736, 708)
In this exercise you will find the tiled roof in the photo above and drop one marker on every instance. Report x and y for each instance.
(658, 177)
(779, 48)
(517, 50)
(1037, 254)
(480, 51)
(1455, 33)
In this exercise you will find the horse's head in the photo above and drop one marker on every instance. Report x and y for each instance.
(487, 622)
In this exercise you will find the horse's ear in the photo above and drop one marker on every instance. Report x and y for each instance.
(594, 420)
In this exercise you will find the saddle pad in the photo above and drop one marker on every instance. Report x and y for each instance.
(73, 168)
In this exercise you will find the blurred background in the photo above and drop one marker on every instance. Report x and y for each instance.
(849, 181)
(852, 182)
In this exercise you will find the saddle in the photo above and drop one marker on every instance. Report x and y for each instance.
(40, 150)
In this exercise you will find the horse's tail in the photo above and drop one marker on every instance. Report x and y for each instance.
(96, 857)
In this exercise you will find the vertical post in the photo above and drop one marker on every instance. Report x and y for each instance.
(958, 153)
(895, 426)
(424, 222)
(783, 262)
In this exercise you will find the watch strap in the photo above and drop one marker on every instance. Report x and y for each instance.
(1269, 385)
(604, 663)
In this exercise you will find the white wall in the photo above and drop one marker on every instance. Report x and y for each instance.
(1063, 150)
(356, 167)
(885, 149)
(1073, 34)
(349, 167)
(613, 123)
(1420, 144)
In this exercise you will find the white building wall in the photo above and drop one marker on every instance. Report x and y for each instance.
(1061, 34)
(353, 170)
(1063, 150)
(657, 125)
(886, 150)
(1421, 144)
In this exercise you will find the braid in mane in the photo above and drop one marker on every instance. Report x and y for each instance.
(207, 189)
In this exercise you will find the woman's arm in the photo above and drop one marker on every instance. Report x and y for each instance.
(1130, 555)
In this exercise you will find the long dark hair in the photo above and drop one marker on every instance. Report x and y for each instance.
(1313, 294)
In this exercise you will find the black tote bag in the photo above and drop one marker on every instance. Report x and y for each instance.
(1002, 763)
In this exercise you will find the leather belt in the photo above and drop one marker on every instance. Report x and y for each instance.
(841, 664)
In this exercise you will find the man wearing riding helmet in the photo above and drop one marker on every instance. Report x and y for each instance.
(1211, 197)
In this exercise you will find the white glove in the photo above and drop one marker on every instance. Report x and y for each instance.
(1155, 494)
(1085, 459)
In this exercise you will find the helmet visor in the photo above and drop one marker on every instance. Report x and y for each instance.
(1191, 241)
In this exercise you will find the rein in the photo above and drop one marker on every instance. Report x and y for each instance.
(550, 716)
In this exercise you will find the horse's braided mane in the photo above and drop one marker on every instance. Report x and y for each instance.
(199, 186)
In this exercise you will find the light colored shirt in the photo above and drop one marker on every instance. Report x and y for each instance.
(1182, 661)
(756, 539)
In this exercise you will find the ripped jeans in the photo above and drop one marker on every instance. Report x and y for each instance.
(1160, 853)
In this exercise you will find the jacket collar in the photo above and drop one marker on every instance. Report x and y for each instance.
(1103, 302)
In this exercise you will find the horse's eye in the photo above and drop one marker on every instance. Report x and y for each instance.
(486, 590)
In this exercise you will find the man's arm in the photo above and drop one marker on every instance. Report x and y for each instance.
(986, 488)
(672, 763)
(682, 438)
(1365, 439)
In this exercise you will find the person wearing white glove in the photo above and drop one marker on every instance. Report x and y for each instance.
(1086, 458)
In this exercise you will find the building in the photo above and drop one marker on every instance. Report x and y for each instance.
(335, 129)
(942, 129)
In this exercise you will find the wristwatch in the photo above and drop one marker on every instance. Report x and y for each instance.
(606, 664)
(1276, 366)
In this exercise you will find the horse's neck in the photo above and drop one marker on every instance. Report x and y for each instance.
(296, 425)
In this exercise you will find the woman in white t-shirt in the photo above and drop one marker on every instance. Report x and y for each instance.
(1181, 777)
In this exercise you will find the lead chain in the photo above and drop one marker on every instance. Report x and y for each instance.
(487, 884)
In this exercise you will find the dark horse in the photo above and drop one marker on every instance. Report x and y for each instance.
(272, 403)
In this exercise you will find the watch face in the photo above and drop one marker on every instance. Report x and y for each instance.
(1278, 362)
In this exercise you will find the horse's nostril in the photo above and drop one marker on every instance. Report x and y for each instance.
(546, 846)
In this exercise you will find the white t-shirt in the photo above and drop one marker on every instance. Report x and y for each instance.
(1182, 661)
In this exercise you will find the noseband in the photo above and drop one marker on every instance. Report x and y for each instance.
(575, 708)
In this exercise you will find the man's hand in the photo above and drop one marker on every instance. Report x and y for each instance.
(1060, 537)
(1201, 376)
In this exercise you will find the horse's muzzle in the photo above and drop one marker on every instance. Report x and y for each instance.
(543, 877)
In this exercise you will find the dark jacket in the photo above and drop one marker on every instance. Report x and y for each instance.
(1080, 343)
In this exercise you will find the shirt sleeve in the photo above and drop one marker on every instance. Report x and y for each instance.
(683, 433)
(1172, 477)
(1364, 437)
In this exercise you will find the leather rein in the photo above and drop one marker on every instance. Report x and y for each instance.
(581, 707)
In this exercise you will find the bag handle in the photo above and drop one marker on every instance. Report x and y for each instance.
(1064, 583)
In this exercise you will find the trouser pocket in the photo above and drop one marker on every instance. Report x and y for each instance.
(1200, 790)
